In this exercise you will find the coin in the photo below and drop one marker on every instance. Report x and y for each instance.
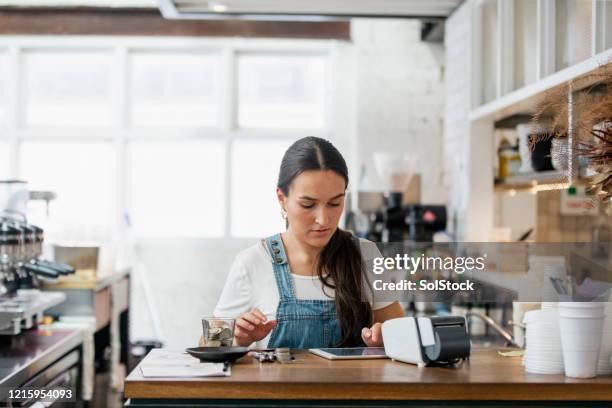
(226, 333)
(221, 335)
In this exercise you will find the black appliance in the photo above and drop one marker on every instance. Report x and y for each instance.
(396, 222)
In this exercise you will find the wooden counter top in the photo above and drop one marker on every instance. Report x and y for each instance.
(487, 376)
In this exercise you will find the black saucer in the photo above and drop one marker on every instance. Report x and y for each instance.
(217, 354)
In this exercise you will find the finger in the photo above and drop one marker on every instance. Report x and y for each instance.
(244, 324)
(376, 333)
(366, 334)
(251, 318)
(259, 314)
(241, 334)
(265, 328)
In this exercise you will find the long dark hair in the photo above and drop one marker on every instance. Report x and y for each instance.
(339, 265)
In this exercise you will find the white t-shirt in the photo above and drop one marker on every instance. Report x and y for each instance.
(251, 284)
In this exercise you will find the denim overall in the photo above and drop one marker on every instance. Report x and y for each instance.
(301, 323)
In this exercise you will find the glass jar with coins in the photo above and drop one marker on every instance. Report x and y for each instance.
(218, 332)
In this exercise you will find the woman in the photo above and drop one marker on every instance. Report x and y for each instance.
(306, 287)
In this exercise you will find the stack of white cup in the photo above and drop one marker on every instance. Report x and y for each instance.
(519, 309)
(604, 364)
(581, 326)
(543, 352)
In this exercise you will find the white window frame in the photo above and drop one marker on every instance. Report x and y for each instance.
(120, 132)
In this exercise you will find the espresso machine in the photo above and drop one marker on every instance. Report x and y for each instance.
(21, 270)
(409, 222)
(386, 216)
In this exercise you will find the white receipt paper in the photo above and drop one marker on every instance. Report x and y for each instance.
(165, 363)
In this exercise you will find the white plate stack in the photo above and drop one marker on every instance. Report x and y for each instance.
(543, 353)
(604, 364)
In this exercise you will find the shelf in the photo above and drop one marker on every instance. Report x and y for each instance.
(545, 180)
(524, 100)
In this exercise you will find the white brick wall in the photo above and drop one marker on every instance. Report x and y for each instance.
(400, 98)
(457, 107)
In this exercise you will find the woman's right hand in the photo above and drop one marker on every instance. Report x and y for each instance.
(252, 326)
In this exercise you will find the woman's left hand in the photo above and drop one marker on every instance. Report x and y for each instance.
(372, 336)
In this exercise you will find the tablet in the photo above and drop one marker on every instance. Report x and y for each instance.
(349, 353)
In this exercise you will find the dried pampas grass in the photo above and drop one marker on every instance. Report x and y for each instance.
(592, 124)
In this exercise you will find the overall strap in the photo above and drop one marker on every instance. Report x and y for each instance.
(284, 281)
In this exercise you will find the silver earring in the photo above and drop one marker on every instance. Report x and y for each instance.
(283, 213)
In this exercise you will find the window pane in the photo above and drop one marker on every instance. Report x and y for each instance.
(3, 63)
(281, 91)
(489, 50)
(67, 88)
(573, 31)
(606, 23)
(176, 189)
(255, 209)
(174, 89)
(82, 175)
(4, 161)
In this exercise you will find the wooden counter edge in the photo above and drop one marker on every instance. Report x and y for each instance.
(359, 391)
